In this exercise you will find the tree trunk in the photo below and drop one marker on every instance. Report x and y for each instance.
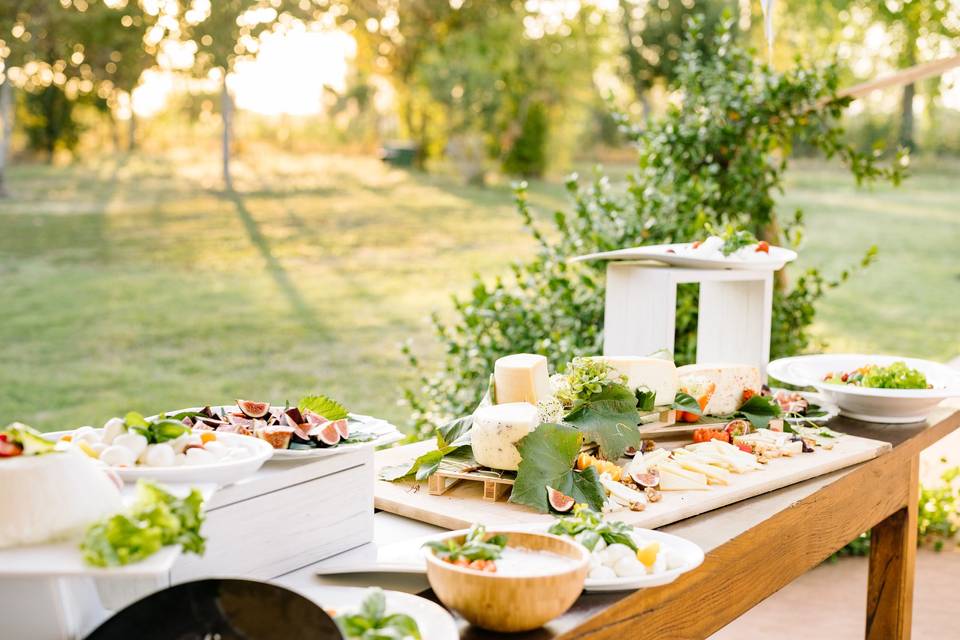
(132, 130)
(906, 117)
(226, 113)
(7, 114)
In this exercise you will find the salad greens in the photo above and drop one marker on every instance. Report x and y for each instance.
(589, 527)
(18, 439)
(475, 546)
(373, 623)
(733, 241)
(323, 406)
(162, 429)
(155, 519)
(894, 376)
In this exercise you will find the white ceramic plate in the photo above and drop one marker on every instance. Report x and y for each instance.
(895, 406)
(220, 473)
(776, 259)
(434, 621)
(406, 557)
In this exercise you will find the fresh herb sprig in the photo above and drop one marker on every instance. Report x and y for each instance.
(475, 546)
(589, 527)
(373, 622)
(162, 429)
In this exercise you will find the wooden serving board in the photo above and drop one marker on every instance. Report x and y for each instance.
(463, 504)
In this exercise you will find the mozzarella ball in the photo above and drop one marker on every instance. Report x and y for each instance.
(218, 449)
(114, 427)
(86, 434)
(118, 456)
(180, 442)
(602, 572)
(196, 456)
(98, 448)
(159, 455)
(616, 551)
(133, 441)
(628, 567)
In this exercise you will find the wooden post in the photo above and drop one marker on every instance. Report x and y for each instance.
(893, 553)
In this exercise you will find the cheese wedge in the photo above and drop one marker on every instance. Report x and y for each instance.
(730, 380)
(655, 374)
(521, 377)
(496, 430)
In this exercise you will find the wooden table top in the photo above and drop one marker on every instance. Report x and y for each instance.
(599, 614)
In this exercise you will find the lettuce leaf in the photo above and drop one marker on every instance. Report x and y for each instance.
(324, 406)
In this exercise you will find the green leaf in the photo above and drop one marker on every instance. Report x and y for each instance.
(548, 454)
(610, 419)
(424, 465)
(646, 399)
(759, 410)
(324, 406)
(686, 402)
(456, 432)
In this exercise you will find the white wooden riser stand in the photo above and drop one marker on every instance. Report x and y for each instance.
(734, 317)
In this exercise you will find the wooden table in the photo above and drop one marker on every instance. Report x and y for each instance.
(756, 547)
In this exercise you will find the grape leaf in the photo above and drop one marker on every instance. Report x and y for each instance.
(609, 418)
(324, 406)
(646, 399)
(686, 402)
(548, 454)
(759, 410)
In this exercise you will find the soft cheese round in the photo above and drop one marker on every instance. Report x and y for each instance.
(53, 497)
(497, 429)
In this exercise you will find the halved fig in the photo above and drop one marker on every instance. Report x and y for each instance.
(188, 422)
(559, 501)
(314, 418)
(293, 417)
(629, 452)
(301, 433)
(326, 434)
(207, 412)
(342, 428)
(646, 479)
(253, 409)
(239, 420)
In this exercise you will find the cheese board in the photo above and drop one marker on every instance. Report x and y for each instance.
(464, 504)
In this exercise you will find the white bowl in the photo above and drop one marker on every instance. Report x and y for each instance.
(220, 473)
(894, 406)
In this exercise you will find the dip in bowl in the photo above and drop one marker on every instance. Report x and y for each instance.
(537, 577)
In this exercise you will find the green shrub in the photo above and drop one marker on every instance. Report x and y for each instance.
(528, 155)
(715, 159)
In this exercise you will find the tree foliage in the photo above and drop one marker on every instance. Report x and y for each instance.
(716, 158)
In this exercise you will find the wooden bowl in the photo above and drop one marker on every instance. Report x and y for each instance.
(507, 603)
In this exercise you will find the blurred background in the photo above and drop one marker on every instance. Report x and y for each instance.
(210, 199)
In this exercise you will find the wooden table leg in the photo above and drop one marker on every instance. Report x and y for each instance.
(893, 552)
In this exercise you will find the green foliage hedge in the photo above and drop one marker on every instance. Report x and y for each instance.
(716, 159)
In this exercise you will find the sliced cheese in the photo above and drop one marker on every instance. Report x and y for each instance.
(730, 380)
(497, 429)
(655, 374)
(692, 462)
(675, 478)
(521, 377)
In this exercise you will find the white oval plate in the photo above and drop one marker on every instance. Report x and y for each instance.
(778, 257)
(406, 557)
(386, 434)
(894, 406)
(434, 621)
(221, 473)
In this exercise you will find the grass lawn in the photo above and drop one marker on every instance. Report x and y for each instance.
(134, 284)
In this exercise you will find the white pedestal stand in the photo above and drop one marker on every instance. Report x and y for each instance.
(734, 318)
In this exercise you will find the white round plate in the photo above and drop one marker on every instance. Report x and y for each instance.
(406, 557)
(893, 406)
(668, 254)
(221, 473)
(434, 621)
(385, 433)
(830, 410)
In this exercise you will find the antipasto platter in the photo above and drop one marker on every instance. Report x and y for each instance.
(553, 442)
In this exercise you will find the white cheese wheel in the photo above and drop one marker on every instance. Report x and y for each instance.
(497, 429)
(731, 381)
(52, 497)
(521, 377)
(655, 374)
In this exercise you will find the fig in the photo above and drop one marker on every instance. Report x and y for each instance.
(559, 501)
(253, 409)
(646, 479)
(629, 452)
(326, 434)
(313, 418)
(293, 417)
(301, 433)
(207, 412)
(188, 422)
(342, 428)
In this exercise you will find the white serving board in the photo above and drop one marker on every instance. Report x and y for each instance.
(462, 505)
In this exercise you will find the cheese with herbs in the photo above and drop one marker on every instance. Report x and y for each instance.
(497, 429)
(655, 374)
(730, 382)
(521, 377)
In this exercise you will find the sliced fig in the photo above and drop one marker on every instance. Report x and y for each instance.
(326, 434)
(646, 479)
(253, 409)
(187, 421)
(239, 420)
(342, 428)
(293, 417)
(559, 501)
(314, 418)
(301, 433)
(207, 412)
